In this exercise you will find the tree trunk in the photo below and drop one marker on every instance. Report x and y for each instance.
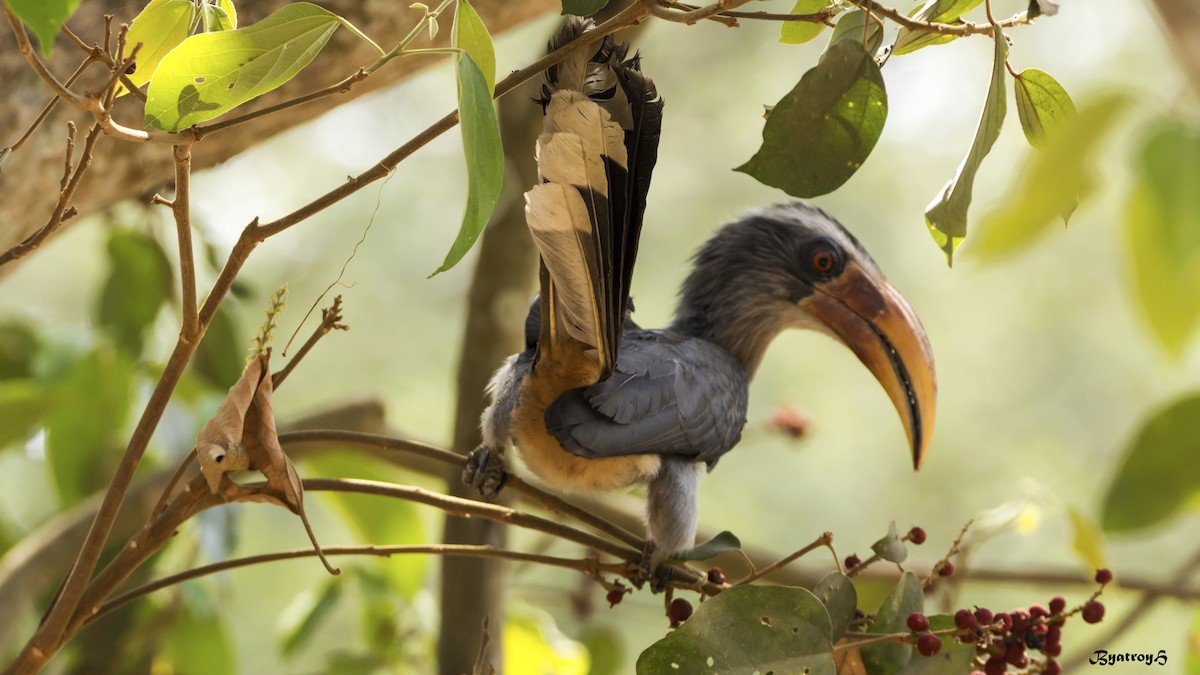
(29, 176)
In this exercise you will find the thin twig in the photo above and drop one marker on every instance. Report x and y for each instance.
(342, 87)
(181, 208)
(49, 107)
(960, 28)
(98, 53)
(824, 540)
(585, 565)
(484, 640)
(330, 321)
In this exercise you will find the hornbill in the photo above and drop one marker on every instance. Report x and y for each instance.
(595, 402)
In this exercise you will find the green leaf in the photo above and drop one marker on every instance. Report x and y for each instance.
(798, 32)
(1151, 485)
(850, 27)
(22, 403)
(198, 643)
(582, 7)
(1087, 540)
(220, 356)
(606, 646)
(1052, 181)
(470, 35)
(953, 658)
(1163, 239)
(484, 154)
(722, 543)
(748, 629)
(212, 73)
(44, 17)
(1042, 104)
(837, 593)
(399, 523)
(822, 131)
(891, 548)
(946, 216)
(304, 615)
(906, 597)
(137, 287)
(216, 19)
(19, 345)
(160, 27)
(85, 419)
(934, 11)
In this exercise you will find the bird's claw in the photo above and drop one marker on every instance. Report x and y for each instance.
(485, 471)
(658, 575)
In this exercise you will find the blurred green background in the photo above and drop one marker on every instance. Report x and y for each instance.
(1047, 366)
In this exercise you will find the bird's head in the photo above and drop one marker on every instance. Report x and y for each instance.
(794, 266)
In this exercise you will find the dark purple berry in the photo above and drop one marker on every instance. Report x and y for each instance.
(929, 644)
(946, 569)
(1104, 575)
(614, 597)
(716, 576)
(917, 535)
(852, 561)
(1093, 611)
(679, 610)
(984, 616)
(965, 620)
(859, 614)
(1057, 604)
(918, 622)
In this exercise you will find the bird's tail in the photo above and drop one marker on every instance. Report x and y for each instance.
(597, 149)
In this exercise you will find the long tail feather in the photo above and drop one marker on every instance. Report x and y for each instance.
(595, 156)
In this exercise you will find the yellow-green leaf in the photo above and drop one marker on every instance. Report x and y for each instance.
(470, 35)
(798, 32)
(946, 216)
(906, 597)
(933, 11)
(216, 19)
(1163, 239)
(484, 154)
(1051, 181)
(1042, 105)
(212, 73)
(160, 27)
(44, 17)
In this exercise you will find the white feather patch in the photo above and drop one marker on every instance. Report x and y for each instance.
(562, 232)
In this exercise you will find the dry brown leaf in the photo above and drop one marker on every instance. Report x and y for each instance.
(219, 445)
(848, 660)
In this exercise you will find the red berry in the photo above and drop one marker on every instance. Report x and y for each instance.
(965, 620)
(1104, 575)
(1020, 621)
(1053, 634)
(852, 561)
(995, 666)
(716, 576)
(1057, 604)
(946, 569)
(1018, 659)
(1005, 621)
(984, 616)
(1037, 611)
(929, 644)
(1051, 668)
(1052, 649)
(614, 597)
(1093, 611)
(918, 622)
(917, 535)
(679, 610)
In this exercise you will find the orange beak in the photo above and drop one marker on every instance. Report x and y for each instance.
(883, 331)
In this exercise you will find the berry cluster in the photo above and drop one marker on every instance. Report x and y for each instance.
(1007, 638)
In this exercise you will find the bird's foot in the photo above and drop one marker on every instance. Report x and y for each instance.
(485, 471)
(659, 575)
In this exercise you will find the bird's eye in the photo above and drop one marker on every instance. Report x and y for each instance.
(823, 260)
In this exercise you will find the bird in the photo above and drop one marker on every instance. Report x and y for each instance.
(595, 402)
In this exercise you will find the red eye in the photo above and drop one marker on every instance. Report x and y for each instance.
(823, 261)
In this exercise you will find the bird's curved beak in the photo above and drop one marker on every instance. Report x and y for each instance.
(881, 328)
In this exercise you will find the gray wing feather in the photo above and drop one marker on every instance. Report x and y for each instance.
(669, 394)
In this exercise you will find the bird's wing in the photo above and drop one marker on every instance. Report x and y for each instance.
(668, 394)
